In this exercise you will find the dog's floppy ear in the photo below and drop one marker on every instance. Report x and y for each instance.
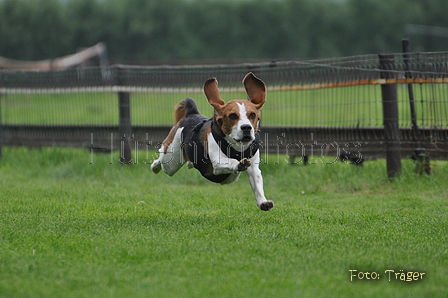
(212, 93)
(255, 89)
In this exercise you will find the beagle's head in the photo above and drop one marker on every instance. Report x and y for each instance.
(238, 119)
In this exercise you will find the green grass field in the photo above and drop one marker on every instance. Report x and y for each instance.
(69, 228)
(358, 106)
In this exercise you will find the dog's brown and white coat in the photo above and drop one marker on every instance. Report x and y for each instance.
(220, 147)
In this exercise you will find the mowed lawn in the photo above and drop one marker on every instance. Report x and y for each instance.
(69, 228)
(358, 106)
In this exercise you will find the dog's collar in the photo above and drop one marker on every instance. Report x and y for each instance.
(229, 150)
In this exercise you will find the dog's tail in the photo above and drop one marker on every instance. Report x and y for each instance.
(185, 108)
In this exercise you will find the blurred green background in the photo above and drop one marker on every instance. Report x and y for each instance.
(184, 31)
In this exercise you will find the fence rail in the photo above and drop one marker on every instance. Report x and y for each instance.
(334, 105)
(323, 73)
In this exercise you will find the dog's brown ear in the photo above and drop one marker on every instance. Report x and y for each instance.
(255, 89)
(212, 93)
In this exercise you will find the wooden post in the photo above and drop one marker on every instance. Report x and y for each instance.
(420, 155)
(390, 117)
(408, 74)
(125, 131)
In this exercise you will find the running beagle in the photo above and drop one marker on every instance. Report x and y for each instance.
(220, 147)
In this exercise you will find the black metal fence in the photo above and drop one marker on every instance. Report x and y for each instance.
(351, 108)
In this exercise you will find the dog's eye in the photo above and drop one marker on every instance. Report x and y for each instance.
(252, 116)
(233, 116)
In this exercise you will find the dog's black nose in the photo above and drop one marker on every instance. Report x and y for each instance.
(246, 127)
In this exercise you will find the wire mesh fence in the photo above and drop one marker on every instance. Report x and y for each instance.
(339, 99)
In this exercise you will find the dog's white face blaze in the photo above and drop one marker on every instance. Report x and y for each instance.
(237, 133)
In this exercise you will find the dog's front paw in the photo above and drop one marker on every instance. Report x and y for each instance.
(156, 166)
(266, 206)
(243, 164)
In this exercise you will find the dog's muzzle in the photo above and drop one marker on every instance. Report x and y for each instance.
(247, 133)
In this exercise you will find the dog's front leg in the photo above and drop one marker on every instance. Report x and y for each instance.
(256, 181)
(221, 163)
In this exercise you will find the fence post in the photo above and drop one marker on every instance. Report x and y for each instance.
(390, 116)
(420, 155)
(124, 129)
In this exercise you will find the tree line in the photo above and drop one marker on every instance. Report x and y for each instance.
(169, 31)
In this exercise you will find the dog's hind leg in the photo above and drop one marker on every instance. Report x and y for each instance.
(171, 157)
